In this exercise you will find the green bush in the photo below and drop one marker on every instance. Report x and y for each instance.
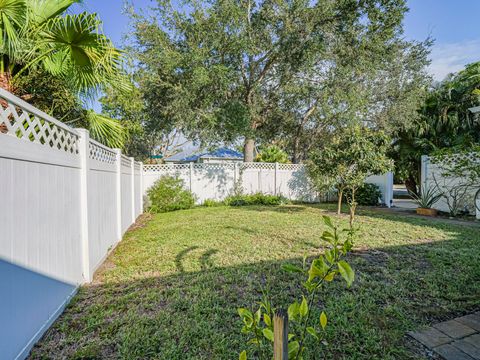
(272, 154)
(212, 203)
(255, 199)
(367, 195)
(168, 194)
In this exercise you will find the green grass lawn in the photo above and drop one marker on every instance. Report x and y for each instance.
(171, 288)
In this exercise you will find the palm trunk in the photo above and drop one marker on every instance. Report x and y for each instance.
(5, 84)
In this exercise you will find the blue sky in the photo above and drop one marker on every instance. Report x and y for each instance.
(454, 24)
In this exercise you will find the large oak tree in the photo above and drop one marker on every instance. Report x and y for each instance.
(225, 70)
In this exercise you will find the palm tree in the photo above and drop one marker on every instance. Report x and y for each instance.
(38, 34)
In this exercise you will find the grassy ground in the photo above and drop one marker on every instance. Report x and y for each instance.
(171, 288)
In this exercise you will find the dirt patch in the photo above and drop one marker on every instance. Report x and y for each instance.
(141, 221)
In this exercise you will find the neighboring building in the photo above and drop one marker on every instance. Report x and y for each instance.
(217, 156)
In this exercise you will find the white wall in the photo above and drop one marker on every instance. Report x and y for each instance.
(216, 181)
(431, 172)
(62, 209)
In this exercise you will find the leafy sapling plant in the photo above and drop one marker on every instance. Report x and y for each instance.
(258, 325)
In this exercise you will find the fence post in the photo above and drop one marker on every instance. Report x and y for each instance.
(141, 188)
(83, 152)
(191, 176)
(280, 335)
(118, 186)
(389, 190)
(275, 179)
(423, 171)
(477, 205)
(132, 187)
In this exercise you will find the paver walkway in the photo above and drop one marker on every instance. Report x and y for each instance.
(457, 339)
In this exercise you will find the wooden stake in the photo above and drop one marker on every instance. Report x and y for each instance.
(280, 335)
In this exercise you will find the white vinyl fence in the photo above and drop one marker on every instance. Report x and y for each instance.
(432, 178)
(217, 181)
(65, 201)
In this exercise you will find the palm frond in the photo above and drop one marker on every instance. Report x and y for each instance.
(13, 17)
(73, 47)
(43, 10)
(106, 130)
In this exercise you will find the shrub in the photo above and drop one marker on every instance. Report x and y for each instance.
(212, 203)
(168, 194)
(367, 195)
(255, 199)
(272, 154)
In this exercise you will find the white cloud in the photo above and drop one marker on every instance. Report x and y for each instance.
(448, 58)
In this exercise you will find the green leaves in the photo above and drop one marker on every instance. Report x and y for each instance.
(323, 320)
(318, 268)
(106, 130)
(346, 272)
(243, 355)
(313, 332)
(292, 268)
(322, 270)
(293, 311)
(293, 348)
(268, 334)
(303, 309)
(267, 320)
(245, 313)
(328, 221)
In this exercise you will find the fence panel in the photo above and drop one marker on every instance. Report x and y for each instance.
(102, 203)
(138, 188)
(432, 178)
(258, 177)
(126, 180)
(217, 181)
(60, 214)
(40, 228)
(212, 181)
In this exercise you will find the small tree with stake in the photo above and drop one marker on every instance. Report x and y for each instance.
(352, 154)
(258, 325)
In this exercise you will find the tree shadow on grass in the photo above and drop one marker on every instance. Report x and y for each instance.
(206, 261)
(180, 257)
(192, 315)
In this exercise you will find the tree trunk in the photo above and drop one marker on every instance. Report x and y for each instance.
(353, 207)
(248, 150)
(296, 150)
(5, 84)
(339, 205)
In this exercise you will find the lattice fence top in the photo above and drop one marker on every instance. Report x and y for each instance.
(219, 166)
(293, 167)
(214, 166)
(262, 166)
(101, 153)
(22, 120)
(165, 167)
